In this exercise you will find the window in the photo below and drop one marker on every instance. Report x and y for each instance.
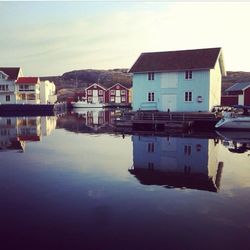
(112, 92)
(89, 99)
(151, 96)
(123, 92)
(151, 166)
(151, 147)
(7, 97)
(123, 99)
(100, 99)
(112, 99)
(89, 92)
(151, 76)
(188, 96)
(188, 74)
(187, 149)
(100, 92)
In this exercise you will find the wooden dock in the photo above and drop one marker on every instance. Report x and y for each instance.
(155, 120)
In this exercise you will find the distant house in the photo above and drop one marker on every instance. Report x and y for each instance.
(95, 93)
(28, 90)
(47, 92)
(187, 80)
(117, 94)
(239, 93)
(8, 76)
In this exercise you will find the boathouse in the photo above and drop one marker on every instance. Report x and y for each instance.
(95, 93)
(237, 94)
(117, 94)
(186, 80)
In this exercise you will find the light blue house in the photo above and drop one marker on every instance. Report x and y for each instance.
(176, 162)
(186, 80)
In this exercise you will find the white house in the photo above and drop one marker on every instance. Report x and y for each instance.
(8, 76)
(186, 80)
(28, 90)
(47, 92)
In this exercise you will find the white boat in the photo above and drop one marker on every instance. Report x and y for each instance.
(233, 121)
(85, 104)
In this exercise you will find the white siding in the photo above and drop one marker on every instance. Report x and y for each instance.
(215, 86)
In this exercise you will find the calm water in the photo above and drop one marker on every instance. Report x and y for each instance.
(69, 182)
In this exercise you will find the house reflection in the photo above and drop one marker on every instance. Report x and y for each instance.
(96, 119)
(16, 131)
(176, 162)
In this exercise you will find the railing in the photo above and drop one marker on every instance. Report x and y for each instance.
(173, 116)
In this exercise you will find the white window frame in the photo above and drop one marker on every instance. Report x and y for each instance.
(89, 91)
(151, 96)
(189, 95)
(188, 75)
(151, 76)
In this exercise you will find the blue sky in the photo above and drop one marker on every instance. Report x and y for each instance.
(50, 38)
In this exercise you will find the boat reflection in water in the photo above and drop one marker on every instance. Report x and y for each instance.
(236, 141)
(175, 162)
(16, 131)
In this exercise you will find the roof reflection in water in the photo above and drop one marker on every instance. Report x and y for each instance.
(175, 162)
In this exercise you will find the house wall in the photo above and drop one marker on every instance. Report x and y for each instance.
(22, 96)
(228, 100)
(111, 97)
(10, 92)
(98, 88)
(171, 83)
(247, 97)
(215, 86)
(47, 92)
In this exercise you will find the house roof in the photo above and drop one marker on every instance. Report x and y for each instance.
(177, 60)
(27, 80)
(95, 84)
(117, 84)
(238, 86)
(12, 72)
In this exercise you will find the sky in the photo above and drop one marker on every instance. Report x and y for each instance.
(50, 38)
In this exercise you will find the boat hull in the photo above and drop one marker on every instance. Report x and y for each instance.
(87, 105)
(242, 123)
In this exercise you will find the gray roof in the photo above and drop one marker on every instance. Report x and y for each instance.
(238, 86)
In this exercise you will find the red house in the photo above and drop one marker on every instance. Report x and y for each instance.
(239, 93)
(95, 93)
(117, 94)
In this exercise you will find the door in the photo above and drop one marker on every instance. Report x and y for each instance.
(169, 102)
(117, 99)
(95, 96)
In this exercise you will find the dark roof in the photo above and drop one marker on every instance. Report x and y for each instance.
(176, 60)
(11, 72)
(238, 86)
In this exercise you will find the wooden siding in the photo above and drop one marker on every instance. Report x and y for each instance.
(247, 97)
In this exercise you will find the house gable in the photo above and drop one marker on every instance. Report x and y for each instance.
(95, 85)
(12, 72)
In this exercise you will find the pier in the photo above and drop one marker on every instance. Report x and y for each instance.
(155, 120)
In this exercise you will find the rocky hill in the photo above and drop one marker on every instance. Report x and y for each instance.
(75, 81)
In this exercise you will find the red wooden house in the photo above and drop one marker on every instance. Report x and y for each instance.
(239, 93)
(95, 93)
(117, 94)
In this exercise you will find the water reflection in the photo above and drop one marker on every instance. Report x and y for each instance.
(236, 141)
(95, 120)
(177, 162)
(16, 131)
